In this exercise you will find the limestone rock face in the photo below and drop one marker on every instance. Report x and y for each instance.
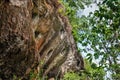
(35, 37)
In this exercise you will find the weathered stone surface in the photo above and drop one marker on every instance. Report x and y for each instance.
(35, 37)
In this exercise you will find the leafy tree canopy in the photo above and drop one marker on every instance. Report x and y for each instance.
(101, 32)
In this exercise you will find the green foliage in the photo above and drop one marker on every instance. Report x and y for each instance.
(71, 76)
(91, 72)
(72, 7)
(16, 78)
(38, 76)
(104, 30)
(101, 32)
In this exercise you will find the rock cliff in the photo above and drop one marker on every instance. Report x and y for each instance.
(35, 37)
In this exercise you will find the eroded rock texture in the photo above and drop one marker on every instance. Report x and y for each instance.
(35, 37)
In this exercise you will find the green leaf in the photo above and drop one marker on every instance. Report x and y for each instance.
(96, 55)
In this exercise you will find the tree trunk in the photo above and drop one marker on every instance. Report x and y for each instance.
(35, 38)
